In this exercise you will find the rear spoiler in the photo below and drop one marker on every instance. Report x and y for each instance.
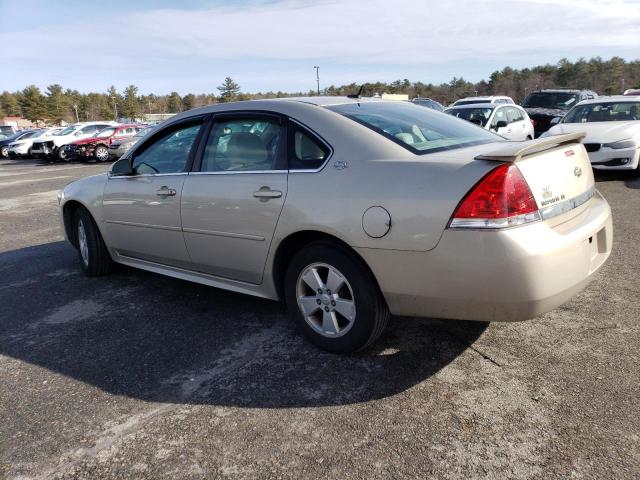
(514, 151)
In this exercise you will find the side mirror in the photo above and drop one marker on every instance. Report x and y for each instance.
(77, 134)
(500, 124)
(122, 168)
(555, 121)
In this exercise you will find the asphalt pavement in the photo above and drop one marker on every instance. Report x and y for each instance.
(136, 375)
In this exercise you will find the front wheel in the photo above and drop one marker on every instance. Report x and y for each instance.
(94, 256)
(101, 153)
(4, 152)
(62, 155)
(334, 299)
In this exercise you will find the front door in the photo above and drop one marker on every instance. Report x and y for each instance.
(230, 207)
(142, 211)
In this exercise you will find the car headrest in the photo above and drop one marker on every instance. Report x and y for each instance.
(246, 148)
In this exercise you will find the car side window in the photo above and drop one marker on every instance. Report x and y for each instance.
(512, 115)
(499, 115)
(91, 129)
(169, 152)
(243, 145)
(306, 152)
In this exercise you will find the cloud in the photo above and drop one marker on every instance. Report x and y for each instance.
(404, 34)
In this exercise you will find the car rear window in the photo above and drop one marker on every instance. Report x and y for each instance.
(418, 129)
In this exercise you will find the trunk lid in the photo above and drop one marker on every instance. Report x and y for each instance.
(556, 168)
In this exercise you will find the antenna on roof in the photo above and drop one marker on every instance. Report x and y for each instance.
(356, 95)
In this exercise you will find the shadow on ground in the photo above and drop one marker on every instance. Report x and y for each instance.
(630, 179)
(155, 338)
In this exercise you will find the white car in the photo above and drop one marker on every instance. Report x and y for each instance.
(21, 146)
(50, 146)
(612, 128)
(499, 99)
(509, 121)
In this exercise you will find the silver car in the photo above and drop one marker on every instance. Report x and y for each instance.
(350, 210)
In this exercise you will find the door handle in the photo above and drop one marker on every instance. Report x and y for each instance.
(267, 193)
(166, 192)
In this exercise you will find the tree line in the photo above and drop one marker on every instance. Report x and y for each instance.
(57, 104)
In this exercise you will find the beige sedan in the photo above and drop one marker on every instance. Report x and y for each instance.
(351, 210)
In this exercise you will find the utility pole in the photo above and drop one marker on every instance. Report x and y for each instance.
(622, 84)
(115, 109)
(75, 108)
(317, 77)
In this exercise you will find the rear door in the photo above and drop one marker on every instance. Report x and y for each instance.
(232, 200)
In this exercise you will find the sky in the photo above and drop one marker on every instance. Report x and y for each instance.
(190, 46)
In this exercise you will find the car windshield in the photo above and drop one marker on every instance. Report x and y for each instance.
(470, 102)
(66, 131)
(556, 100)
(479, 115)
(107, 132)
(418, 129)
(25, 135)
(10, 137)
(603, 112)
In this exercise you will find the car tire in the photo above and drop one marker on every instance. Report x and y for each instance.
(101, 153)
(345, 320)
(95, 259)
(4, 152)
(61, 155)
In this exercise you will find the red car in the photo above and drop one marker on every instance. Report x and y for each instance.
(97, 147)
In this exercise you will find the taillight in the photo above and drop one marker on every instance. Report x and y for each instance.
(533, 122)
(501, 199)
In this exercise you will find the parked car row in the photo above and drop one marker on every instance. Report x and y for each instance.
(541, 108)
(84, 141)
(612, 131)
(611, 125)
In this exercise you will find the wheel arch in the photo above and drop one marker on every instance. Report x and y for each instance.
(69, 208)
(295, 242)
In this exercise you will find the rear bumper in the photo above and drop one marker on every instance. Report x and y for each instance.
(508, 275)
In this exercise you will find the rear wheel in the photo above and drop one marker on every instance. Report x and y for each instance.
(334, 299)
(94, 256)
(101, 153)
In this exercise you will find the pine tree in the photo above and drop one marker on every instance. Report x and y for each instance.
(131, 105)
(57, 103)
(228, 90)
(174, 103)
(9, 104)
(33, 104)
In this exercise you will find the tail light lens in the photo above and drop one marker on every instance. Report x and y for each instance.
(501, 199)
(533, 122)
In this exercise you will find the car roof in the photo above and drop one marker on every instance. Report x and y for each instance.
(324, 101)
(562, 90)
(483, 97)
(481, 105)
(612, 98)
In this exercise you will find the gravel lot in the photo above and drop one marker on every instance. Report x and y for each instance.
(140, 376)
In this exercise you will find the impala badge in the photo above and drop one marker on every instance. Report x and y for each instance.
(577, 171)
(340, 165)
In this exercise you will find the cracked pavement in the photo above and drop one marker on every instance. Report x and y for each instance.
(136, 375)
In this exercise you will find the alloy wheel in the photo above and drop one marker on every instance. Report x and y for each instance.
(325, 299)
(82, 243)
(102, 154)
